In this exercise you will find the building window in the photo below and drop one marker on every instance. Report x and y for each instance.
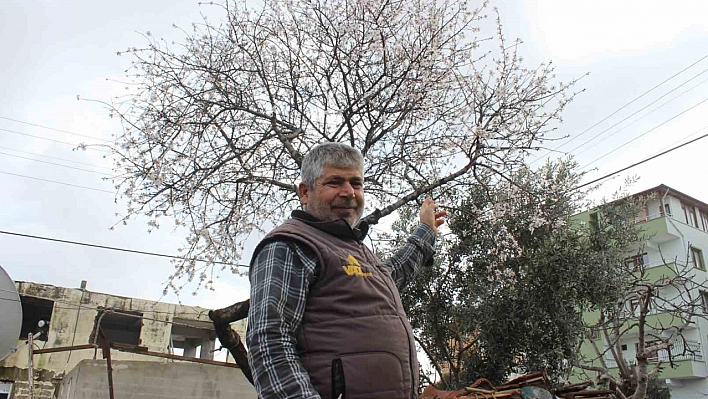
(123, 326)
(5, 389)
(704, 220)
(594, 224)
(633, 262)
(643, 215)
(704, 301)
(690, 213)
(624, 347)
(667, 209)
(192, 338)
(35, 310)
(697, 258)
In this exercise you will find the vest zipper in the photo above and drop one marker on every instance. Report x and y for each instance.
(410, 348)
(410, 358)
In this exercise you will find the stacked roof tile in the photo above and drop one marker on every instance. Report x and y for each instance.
(527, 386)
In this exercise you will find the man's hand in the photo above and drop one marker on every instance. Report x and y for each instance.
(429, 216)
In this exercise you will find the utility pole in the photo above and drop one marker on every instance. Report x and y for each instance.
(30, 370)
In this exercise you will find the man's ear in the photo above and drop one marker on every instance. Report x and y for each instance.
(303, 191)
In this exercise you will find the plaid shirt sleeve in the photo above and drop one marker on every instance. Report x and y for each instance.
(280, 279)
(417, 251)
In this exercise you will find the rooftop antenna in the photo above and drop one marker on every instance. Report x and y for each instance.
(11, 311)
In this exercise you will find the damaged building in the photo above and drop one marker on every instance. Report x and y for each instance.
(169, 346)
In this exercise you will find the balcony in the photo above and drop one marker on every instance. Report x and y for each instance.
(658, 226)
(686, 356)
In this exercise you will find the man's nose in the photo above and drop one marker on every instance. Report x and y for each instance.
(346, 190)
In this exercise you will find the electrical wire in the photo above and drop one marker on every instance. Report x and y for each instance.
(55, 129)
(585, 149)
(645, 133)
(52, 140)
(621, 108)
(119, 249)
(57, 182)
(687, 137)
(57, 158)
(240, 265)
(129, 313)
(57, 164)
(644, 160)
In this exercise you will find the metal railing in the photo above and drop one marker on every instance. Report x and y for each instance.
(647, 218)
(680, 350)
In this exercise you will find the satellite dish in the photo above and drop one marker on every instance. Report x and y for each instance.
(11, 311)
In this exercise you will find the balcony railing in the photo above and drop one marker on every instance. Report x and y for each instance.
(647, 218)
(680, 350)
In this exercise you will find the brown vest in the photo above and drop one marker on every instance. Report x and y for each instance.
(355, 339)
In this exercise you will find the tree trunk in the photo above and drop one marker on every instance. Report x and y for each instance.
(228, 337)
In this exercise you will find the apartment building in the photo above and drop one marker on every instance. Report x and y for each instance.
(676, 228)
(163, 343)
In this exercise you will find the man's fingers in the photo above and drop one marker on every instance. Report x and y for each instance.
(439, 218)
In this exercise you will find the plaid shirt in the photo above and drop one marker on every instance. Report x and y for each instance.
(278, 296)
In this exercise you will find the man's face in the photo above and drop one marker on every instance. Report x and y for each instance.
(337, 193)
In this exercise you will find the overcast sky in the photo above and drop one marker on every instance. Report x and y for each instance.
(56, 50)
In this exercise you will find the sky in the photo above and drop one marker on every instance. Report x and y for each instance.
(646, 62)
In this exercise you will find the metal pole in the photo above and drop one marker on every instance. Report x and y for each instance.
(109, 367)
(30, 370)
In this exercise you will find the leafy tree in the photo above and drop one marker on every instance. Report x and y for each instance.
(517, 273)
(217, 125)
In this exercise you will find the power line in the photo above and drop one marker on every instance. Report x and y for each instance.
(56, 164)
(57, 182)
(240, 265)
(128, 313)
(55, 129)
(645, 160)
(52, 140)
(134, 251)
(645, 133)
(621, 108)
(687, 137)
(638, 111)
(57, 158)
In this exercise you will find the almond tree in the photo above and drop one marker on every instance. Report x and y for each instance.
(217, 125)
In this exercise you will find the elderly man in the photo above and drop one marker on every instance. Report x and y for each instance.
(326, 319)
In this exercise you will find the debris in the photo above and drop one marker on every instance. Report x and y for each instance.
(527, 386)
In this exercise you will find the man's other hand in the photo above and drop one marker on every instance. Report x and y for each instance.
(430, 216)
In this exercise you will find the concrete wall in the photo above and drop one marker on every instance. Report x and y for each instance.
(141, 380)
(74, 316)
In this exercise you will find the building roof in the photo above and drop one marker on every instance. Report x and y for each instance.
(663, 189)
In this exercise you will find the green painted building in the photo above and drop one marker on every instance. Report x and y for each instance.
(676, 225)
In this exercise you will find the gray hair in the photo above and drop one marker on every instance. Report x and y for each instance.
(330, 154)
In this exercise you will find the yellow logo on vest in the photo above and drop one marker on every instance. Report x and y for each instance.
(354, 268)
